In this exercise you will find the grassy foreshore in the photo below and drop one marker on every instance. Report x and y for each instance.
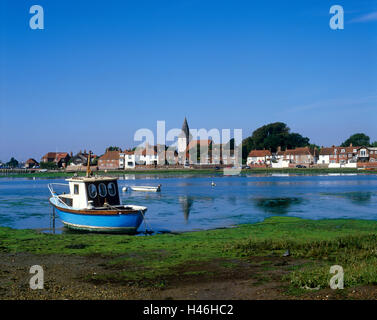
(64, 174)
(167, 262)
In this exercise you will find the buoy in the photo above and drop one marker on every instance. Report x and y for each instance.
(213, 184)
(124, 189)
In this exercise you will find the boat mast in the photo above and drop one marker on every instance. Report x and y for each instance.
(88, 171)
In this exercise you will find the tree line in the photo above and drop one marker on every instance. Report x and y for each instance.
(268, 137)
(278, 134)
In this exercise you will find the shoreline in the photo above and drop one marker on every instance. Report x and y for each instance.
(308, 171)
(250, 259)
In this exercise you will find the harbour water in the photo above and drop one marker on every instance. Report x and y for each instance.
(189, 202)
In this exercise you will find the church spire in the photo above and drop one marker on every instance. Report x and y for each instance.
(185, 129)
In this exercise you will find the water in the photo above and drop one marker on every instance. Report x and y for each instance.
(189, 203)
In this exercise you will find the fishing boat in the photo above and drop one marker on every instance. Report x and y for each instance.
(146, 188)
(93, 204)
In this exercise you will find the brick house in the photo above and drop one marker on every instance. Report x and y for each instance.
(199, 151)
(303, 155)
(340, 155)
(109, 161)
(366, 154)
(61, 159)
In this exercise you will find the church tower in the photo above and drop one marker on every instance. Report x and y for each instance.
(183, 141)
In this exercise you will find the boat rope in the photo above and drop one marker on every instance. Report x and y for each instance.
(145, 224)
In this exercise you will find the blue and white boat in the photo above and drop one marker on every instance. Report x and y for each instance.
(93, 204)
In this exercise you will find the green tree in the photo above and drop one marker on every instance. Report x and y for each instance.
(48, 165)
(357, 139)
(111, 148)
(12, 163)
(271, 136)
(374, 144)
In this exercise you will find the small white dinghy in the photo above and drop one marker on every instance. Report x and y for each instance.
(146, 188)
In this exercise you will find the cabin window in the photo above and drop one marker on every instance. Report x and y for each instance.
(76, 189)
(111, 189)
(92, 191)
(102, 190)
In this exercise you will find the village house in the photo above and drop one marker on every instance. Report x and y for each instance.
(61, 159)
(373, 154)
(304, 155)
(109, 161)
(259, 157)
(199, 152)
(127, 159)
(81, 159)
(31, 163)
(366, 154)
(146, 155)
(347, 156)
(341, 155)
(292, 157)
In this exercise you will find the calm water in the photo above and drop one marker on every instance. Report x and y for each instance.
(190, 203)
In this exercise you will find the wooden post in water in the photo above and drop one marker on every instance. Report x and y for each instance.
(53, 220)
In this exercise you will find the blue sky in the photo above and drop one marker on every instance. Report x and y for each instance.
(100, 70)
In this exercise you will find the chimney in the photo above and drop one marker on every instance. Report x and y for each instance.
(279, 148)
(351, 144)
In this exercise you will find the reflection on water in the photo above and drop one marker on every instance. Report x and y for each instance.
(276, 205)
(356, 197)
(188, 202)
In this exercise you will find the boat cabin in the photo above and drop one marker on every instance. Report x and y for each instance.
(91, 192)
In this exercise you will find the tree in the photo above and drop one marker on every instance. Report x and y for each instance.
(12, 163)
(272, 136)
(48, 165)
(357, 139)
(374, 144)
(111, 148)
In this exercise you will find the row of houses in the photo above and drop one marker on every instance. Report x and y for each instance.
(333, 157)
(60, 159)
(198, 152)
(206, 152)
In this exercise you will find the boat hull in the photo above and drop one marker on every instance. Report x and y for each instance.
(145, 189)
(106, 221)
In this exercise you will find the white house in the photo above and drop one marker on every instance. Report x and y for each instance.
(259, 157)
(127, 158)
(146, 156)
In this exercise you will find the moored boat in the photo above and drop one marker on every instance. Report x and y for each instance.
(93, 204)
(146, 188)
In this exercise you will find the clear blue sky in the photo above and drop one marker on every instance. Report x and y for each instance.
(100, 70)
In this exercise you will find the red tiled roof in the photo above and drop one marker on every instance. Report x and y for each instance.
(299, 151)
(57, 156)
(50, 155)
(110, 155)
(61, 155)
(31, 161)
(339, 150)
(259, 153)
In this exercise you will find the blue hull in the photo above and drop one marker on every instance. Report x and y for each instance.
(118, 223)
(125, 223)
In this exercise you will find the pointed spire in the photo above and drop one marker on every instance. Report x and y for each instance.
(185, 131)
